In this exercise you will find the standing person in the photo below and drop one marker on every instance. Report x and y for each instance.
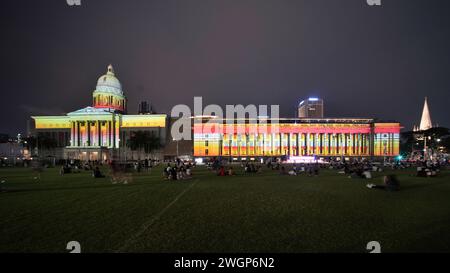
(316, 169)
(146, 164)
(173, 173)
(62, 170)
(37, 169)
(150, 166)
(138, 166)
(167, 170)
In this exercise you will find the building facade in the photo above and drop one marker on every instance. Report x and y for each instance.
(100, 131)
(311, 108)
(296, 138)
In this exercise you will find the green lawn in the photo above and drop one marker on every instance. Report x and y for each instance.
(245, 213)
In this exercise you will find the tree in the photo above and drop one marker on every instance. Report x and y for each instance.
(436, 137)
(46, 142)
(30, 143)
(143, 140)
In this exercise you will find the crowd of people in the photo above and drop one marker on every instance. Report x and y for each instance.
(120, 172)
(428, 168)
(310, 169)
(179, 170)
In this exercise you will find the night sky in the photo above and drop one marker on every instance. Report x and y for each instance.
(363, 61)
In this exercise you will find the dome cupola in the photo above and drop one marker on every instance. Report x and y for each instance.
(108, 92)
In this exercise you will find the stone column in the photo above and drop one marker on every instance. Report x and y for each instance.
(72, 133)
(78, 133)
(88, 132)
(108, 130)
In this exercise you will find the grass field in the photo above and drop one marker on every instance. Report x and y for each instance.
(245, 213)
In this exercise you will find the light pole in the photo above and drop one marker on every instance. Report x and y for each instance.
(176, 140)
(425, 149)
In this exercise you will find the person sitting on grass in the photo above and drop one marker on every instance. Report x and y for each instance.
(76, 169)
(247, 168)
(356, 173)
(182, 173)
(1, 185)
(309, 169)
(230, 171)
(96, 173)
(283, 170)
(421, 172)
(259, 169)
(367, 174)
(188, 171)
(292, 172)
(221, 171)
(390, 184)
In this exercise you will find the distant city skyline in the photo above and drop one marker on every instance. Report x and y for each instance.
(363, 61)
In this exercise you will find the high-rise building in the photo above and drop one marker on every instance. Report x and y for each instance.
(145, 108)
(310, 108)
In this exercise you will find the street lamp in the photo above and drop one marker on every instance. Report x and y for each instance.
(176, 140)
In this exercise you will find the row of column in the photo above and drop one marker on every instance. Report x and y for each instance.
(93, 133)
(296, 144)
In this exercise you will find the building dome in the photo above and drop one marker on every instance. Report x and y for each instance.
(108, 94)
(108, 83)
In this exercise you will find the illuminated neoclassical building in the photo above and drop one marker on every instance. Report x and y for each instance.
(295, 138)
(97, 132)
(100, 132)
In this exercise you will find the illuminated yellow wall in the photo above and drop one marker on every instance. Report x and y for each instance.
(136, 121)
(52, 122)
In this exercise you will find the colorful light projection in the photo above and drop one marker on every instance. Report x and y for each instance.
(100, 126)
(95, 132)
(52, 122)
(98, 130)
(386, 139)
(138, 121)
(109, 101)
(296, 139)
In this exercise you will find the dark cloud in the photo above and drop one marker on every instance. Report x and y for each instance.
(45, 111)
(363, 61)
